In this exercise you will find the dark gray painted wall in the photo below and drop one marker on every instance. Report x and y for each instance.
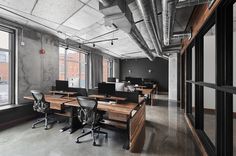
(140, 67)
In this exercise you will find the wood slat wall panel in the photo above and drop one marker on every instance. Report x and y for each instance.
(137, 130)
(199, 17)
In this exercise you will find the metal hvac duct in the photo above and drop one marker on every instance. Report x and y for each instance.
(119, 14)
(139, 40)
(188, 3)
(106, 3)
(144, 8)
(155, 12)
(168, 15)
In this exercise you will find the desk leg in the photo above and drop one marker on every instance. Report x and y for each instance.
(74, 123)
(126, 145)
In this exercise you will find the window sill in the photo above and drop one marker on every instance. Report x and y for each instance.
(10, 106)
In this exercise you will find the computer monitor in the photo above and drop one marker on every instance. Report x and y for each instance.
(106, 89)
(120, 86)
(61, 85)
(111, 79)
(138, 81)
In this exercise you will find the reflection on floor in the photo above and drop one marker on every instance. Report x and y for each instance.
(210, 129)
(166, 134)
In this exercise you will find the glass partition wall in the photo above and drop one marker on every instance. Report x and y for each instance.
(211, 82)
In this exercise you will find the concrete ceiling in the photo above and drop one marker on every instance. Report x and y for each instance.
(82, 21)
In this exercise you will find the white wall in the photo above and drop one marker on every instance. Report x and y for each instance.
(173, 74)
(193, 76)
(234, 69)
(209, 71)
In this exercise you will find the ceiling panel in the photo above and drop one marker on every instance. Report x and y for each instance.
(21, 5)
(12, 17)
(56, 10)
(84, 18)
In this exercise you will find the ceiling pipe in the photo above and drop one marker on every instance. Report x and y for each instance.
(188, 3)
(106, 3)
(124, 21)
(144, 8)
(139, 40)
(181, 36)
(168, 16)
(155, 12)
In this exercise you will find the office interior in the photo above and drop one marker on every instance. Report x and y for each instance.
(117, 77)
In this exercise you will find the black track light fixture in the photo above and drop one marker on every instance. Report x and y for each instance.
(111, 42)
(67, 47)
(93, 45)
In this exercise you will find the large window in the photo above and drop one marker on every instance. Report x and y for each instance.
(107, 69)
(5, 67)
(209, 77)
(234, 79)
(72, 67)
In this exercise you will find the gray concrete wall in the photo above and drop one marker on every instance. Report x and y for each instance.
(173, 77)
(37, 71)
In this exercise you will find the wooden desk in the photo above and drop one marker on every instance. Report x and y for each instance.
(55, 103)
(103, 97)
(117, 112)
(63, 93)
(135, 122)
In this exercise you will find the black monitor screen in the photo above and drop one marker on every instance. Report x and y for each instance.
(61, 85)
(106, 88)
(111, 79)
(137, 81)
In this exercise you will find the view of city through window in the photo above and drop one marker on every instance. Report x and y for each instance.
(72, 67)
(107, 69)
(4, 68)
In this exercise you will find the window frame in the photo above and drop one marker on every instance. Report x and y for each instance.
(12, 99)
(85, 63)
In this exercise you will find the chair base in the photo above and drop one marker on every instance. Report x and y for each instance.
(46, 122)
(92, 131)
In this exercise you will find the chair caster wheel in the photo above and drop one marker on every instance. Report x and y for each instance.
(45, 128)
(33, 127)
(106, 136)
(77, 141)
(94, 143)
(83, 131)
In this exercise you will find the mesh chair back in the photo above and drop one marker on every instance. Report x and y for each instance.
(40, 105)
(87, 110)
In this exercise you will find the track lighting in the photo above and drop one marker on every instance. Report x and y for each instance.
(79, 46)
(111, 42)
(93, 45)
(67, 47)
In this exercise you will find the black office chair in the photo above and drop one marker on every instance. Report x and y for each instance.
(42, 106)
(88, 116)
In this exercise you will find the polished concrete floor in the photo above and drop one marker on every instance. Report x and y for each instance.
(166, 135)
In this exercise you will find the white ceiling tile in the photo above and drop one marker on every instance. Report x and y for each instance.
(94, 4)
(84, 18)
(21, 5)
(56, 10)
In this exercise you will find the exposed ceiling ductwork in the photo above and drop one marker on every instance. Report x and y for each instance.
(106, 3)
(188, 3)
(117, 14)
(147, 15)
(168, 16)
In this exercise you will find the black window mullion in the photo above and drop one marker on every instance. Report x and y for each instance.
(228, 77)
(188, 85)
(199, 89)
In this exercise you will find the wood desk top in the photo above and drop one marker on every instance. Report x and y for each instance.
(145, 90)
(108, 98)
(124, 109)
(62, 92)
(51, 98)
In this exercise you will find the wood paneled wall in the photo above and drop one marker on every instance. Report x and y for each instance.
(199, 17)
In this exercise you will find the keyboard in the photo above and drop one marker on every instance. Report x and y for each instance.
(107, 102)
